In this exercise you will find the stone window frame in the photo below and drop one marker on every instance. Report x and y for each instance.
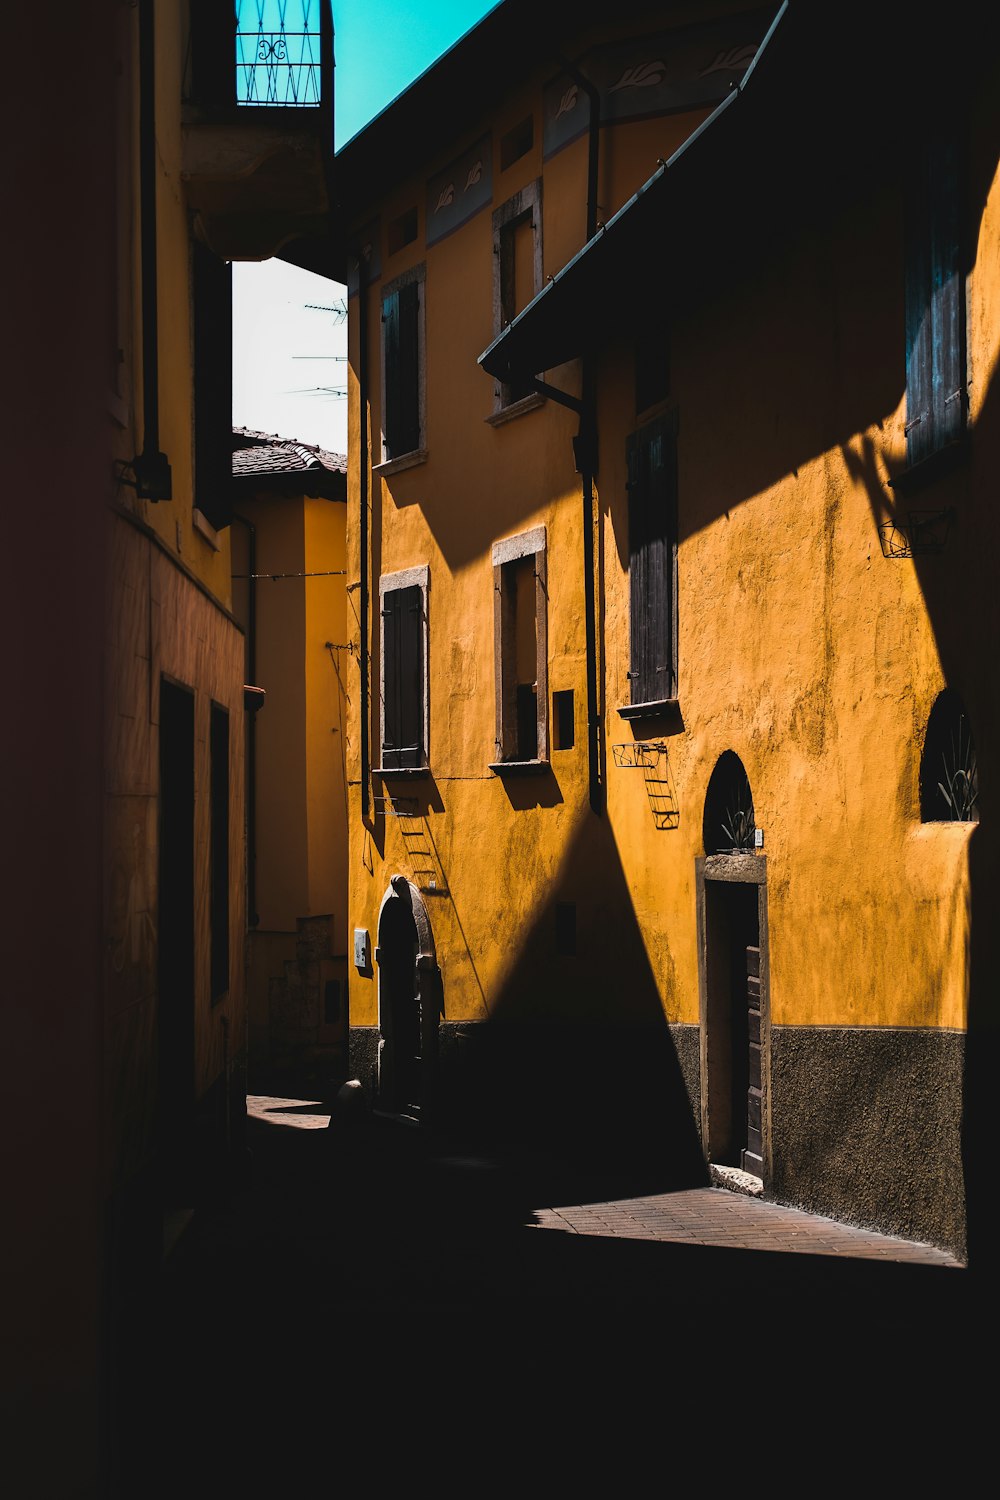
(415, 577)
(388, 466)
(526, 200)
(533, 543)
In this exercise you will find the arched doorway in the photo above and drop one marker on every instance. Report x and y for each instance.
(409, 1002)
(731, 881)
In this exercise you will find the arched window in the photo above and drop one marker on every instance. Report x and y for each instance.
(728, 826)
(949, 777)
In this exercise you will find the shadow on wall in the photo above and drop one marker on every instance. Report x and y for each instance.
(577, 1056)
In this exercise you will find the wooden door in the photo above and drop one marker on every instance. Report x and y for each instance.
(753, 1155)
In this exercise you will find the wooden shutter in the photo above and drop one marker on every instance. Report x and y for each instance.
(652, 516)
(213, 387)
(402, 370)
(403, 677)
(935, 301)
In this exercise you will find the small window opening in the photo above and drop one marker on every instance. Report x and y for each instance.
(949, 774)
(729, 825)
(564, 719)
(517, 142)
(566, 927)
(402, 230)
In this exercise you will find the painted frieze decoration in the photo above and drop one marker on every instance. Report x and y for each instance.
(460, 191)
(655, 75)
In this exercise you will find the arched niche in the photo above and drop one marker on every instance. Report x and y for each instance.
(409, 1000)
(728, 824)
(949, 776)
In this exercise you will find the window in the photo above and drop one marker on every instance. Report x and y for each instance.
(403, 600)
(728, 822)
(403, 418)
(935, 300)
(520, 650)
(949, 775)
(517, 273)
(563, 716)
(219, 846)
(652, 543)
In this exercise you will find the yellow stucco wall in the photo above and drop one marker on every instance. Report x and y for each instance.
(300, 804)
(800, 646)
(301, 826)
(172, 520)
(327, 677)
(169, 590)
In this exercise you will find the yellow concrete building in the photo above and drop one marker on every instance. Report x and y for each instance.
(176, 138)
(289, 594)
(671, 589)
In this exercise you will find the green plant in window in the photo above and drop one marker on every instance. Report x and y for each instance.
(960, 788)
(738, 827)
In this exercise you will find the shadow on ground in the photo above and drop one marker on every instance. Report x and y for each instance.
(373, 1279)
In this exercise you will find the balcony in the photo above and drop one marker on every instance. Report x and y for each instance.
(258, 125)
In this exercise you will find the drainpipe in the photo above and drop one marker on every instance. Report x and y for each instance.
(364, 493)
(252, 916)
(585, 450)
(150, 467)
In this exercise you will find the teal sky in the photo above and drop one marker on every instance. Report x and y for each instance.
(289, 351)
(383, 45)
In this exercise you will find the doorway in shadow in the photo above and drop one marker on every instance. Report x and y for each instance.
(175, 928)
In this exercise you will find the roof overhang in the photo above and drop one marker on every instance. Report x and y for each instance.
(685, 202)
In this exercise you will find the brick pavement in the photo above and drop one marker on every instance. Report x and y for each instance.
(710, 1216)
(715, 1216)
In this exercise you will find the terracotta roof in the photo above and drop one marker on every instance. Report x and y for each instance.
(263, 455)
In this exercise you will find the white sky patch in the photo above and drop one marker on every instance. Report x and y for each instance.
(284, 378)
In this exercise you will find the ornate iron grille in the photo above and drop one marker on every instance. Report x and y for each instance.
(278, 56)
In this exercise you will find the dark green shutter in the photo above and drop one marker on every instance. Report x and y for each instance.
(403, 677)
(402, 370)
(935, 300)
(652, 519)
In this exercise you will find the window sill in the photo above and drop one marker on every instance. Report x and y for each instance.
(397, 465)
(519, 767)
(515, 409)
(401, 773)
(934, 467)
(647, 710)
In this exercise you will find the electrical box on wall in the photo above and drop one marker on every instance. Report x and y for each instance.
(362, 951)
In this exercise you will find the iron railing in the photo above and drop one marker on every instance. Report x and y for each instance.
(279, 53)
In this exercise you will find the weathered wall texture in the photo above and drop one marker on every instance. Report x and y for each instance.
(801, 648)
(300, 633)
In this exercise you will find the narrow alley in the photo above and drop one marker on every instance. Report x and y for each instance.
(364, 1270)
